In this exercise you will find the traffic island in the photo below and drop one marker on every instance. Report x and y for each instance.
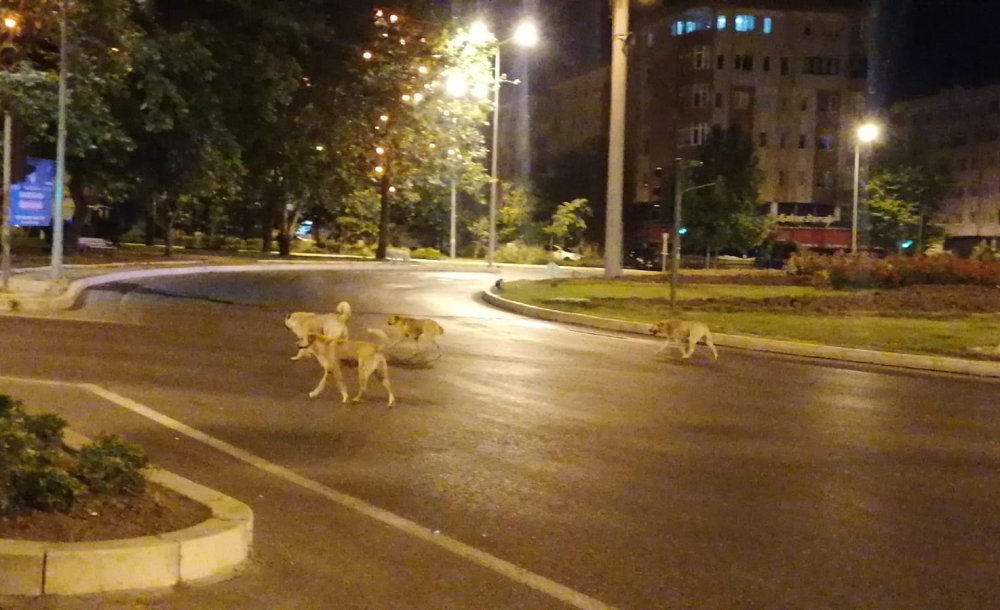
(213, 549)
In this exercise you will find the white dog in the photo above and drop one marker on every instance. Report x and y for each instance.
(369, 356)
(681, 332)
(414, 328)
(303, 324)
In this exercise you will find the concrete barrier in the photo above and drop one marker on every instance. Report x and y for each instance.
(212, 549)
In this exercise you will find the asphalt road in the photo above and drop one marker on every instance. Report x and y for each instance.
(533, 465)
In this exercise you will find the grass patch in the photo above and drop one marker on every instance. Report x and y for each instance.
(953, 335)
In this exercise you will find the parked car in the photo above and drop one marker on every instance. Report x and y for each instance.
(642, 258)
(561, 254)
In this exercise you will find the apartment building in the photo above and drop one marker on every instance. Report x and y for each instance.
(960, 130)
(791, 74)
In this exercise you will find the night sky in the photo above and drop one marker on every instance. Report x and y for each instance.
(934, 44)
(922, 46)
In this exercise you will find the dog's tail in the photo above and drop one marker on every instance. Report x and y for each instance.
(343, 311)
(383, 338)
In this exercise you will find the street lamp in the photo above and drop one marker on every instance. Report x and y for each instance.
(866, 133)
(526, 35)
(10, 27)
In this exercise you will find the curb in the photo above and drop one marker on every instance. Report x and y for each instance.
(213, 549)
(940, 364)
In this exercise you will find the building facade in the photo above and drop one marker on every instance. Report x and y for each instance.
(791, 75)
(959, 129)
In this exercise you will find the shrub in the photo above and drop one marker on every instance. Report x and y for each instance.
(232, 244)
(135, 235)
(807, 263)
(111, 465)
(43, 485)
(359, 249)
(427, 253)
(519, 253)
(46, 427)
(254, 244)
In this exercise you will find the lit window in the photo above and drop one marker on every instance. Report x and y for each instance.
(744, 23)
(767, 25)
(690, 26)
(720, 22)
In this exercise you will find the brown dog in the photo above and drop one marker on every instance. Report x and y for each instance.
(414, 328)
(329, 352)
(679, 332)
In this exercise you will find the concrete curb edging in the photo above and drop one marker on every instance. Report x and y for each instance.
(215, 548)
(794, 348)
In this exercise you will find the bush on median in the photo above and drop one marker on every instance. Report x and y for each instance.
(37, 474)
(864, 271)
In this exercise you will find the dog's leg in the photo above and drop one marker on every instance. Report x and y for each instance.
(321, 385)
(365, 369)
(383, 372)
(711, 345)
(338, 375)
(692, 342)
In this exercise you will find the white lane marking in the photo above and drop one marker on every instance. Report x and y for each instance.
(482, 558)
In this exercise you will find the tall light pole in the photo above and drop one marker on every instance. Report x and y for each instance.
(10, 26)
(526, 35)
(679, 190)
(866, 133)
(616, 139)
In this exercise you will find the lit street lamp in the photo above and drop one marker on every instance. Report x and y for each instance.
(525, 35)
(10, 26)
(866, 133)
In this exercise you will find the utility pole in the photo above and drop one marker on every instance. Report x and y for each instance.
(5, 231)
(57, 198)
(616, 139)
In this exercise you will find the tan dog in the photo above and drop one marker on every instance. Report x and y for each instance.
(303, 324)
(329, 352)
(679, 332)
(414, 328)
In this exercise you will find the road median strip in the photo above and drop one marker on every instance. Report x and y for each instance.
(794, 348)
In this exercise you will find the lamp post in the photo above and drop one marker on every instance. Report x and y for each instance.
(866, 133)
(616, 139)
(526, 35)
(10, 26)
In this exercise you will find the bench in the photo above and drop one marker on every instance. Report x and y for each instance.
(93, 243)
(397, 254)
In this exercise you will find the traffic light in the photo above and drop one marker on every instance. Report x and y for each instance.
(658, 186)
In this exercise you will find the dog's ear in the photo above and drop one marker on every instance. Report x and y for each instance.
(287, 315)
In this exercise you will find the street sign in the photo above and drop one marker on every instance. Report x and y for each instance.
(31, 200)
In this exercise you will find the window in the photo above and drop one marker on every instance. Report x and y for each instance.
(743, 62)
(720, 62)
(693, 136)
(825, 142)
(700, 96)
(824, 66)
(718, 100)
(802, 141)
(744, 23)
(808, 29)
(782, 141)
(700, 58)
(762, 139)
(720, 22)
(827, 101)
(784, 66)
(781, 178)
(825, 180)
(767, 64)
(805, 104)
(767, 25)
(741, 100)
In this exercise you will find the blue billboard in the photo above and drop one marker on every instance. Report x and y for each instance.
(31, 200)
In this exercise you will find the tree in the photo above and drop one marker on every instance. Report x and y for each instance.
(904, 196)
(420, 137)
(568, 223)
(727, 215)
(518, 204)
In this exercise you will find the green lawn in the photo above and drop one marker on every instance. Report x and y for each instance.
(631, 301)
